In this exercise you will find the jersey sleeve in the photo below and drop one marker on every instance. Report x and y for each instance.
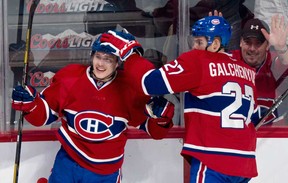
(135, 67)
(39, 118)
(174, 77)
(52, 98)
(141, 121)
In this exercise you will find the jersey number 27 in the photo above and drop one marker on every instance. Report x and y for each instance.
(230, 118)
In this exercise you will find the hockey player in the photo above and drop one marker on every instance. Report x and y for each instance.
(96, 104)
(219, 101)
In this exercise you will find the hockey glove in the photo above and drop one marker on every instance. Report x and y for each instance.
(96, 46)
(23, 99)
(159, 107)
(123, 43)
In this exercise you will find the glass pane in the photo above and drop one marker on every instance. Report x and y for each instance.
(63, 32)
(271, 77)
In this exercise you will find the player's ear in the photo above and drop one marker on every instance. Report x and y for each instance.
(216, 44)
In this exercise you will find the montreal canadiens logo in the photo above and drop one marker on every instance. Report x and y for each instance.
(215, 21)
(93, 125)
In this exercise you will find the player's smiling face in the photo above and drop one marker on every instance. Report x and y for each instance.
(104, 64)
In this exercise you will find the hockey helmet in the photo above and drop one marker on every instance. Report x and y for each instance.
(211, 27)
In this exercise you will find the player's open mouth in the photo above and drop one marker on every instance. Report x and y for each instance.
(100, 69)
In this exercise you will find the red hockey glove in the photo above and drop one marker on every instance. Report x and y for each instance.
(23, 99)
(123, 43)
(159, 107)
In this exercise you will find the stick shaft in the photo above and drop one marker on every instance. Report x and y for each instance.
(24, 83)
(281, 78)
(277, 103)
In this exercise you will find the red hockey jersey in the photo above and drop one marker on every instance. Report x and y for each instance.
(93, 119)
(219, 101)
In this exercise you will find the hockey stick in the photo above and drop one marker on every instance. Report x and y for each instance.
(281, 78)
(24, 83)
(278, 101)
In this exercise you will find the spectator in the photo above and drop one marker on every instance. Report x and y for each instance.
(220, 139)
(96, 104)
(254, 50)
